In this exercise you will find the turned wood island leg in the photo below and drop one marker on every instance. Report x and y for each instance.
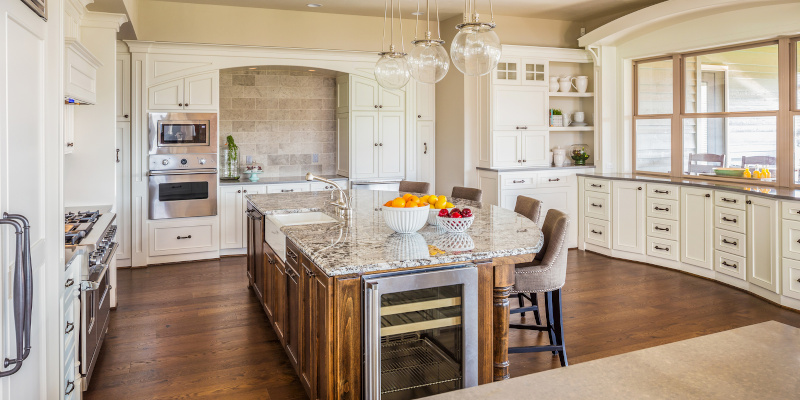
(503, 283)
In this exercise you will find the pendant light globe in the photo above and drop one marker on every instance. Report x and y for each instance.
(392, 70)
(428, 60)
(476, 48)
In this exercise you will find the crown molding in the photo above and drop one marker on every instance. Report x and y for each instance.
(102, 20)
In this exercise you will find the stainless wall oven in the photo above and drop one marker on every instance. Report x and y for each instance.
(420, 332)
(182, 186)
(183, 133)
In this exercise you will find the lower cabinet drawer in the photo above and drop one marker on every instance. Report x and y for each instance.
(597, 205)
(597, 232)
(660, 208)
(518, 182)
(169, 240)
(730, 264)
(288, 188)
(597, 185)
(791, 239)
(662, 248)
(729, 199)
(550, 180)
(662, 228)
(791, 278)
(730, 242)
(667, 192)
(790, 210)
(730, 219)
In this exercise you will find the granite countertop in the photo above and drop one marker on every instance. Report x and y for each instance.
(549, 168)
(753, 362)
(744, 187)
(276, 179)
(368, 245)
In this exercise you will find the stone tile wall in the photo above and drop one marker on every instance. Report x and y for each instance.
(282, 117)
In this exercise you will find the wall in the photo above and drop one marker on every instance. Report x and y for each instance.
(282, 117)
(535, 31)
(450, 124)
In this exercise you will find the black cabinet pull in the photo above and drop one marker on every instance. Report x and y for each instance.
(593, 185)
(180, 104)
(597, 205)
(287, 190)
(239, 191)
(660, 209)
(518, 181)
(380, 144)
(184, 237)
(380, 106)
(596, 232)
(727, 242)
(661, 248)
(798, 211)
(726, 219)
(554, 180)
(70, 388)
(524, 161)
(725, 263)
(661, 191)
(70, 327)
(749, 202)
(376, 106)
(708, 195)
(658, 228)
(639, 188)
(727, 200)
(69, 282)
(426, 148)
(798, 240)
(376, 144)
(186, 104)
(419, 116)
(244, 191)
(117, 155)
(291, 254)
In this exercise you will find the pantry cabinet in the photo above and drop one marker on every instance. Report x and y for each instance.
(763, 250)
(628, 216)
(194, 93)
(123, 102)
(697, 227)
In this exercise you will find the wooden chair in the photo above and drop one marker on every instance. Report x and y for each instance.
(768, 161)
(467, 193)
(694, 167)
(546, 274)
(415, 187)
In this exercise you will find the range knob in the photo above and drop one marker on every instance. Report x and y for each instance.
(184, 161)
(202, 161)
(165, 161)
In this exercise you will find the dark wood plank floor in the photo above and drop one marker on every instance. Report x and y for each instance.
(194, 330)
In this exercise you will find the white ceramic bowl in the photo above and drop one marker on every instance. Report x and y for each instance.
(435, 213)
(456, 225)
(405, 220)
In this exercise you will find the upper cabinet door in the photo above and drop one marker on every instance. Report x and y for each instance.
(520, 107)
(123, 102)
(426, 98)
(506, 149)
(201, 92)
(507, 72)
(364, 137)
(363, 94)
(391, 100)
(392, 128)
(535, 148)
(166, 96)
(533, 72)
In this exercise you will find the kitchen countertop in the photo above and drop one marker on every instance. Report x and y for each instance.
(368, 245)
(746, 188)
(753, 362)
(276, 179)
(537, 168)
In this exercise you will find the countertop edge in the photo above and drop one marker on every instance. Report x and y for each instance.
(268, 181)
(532, 169)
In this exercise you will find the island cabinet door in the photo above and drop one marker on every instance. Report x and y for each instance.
(628, 216)
(279, 299)
(763, 251)
(269, 282)
(697, 227)
(308, 332)
(293, 305)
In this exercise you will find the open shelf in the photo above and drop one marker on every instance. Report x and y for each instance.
(571, 94)
(571, 128)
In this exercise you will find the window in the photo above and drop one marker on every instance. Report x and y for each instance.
(507, 71)
(737, 142)
(653, 125)
(654, 87)
(534, 72)
(653, 145)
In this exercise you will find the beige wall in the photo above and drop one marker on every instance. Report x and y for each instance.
(536, 32)
(281, 117)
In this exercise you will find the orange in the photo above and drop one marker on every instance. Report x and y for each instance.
(407, 196)
(388, 203)
(413, 198)
(412, 204)
(399, 202)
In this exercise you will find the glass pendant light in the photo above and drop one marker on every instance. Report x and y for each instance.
(476, 48)
(428, 59)
(392, 70)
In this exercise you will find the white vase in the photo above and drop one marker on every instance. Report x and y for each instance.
(581, 83)
(554, 84)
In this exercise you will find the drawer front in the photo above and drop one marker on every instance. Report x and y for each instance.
(182, 240)
(518, 182)
(597, 185)
(791, 278)
(662, 228)
(555, 180)
(662, 248)
(597, 205)
(730, 242)
(730, 264)
(71, 325)
(321, 186)
(730, 219)
(71, 385)
(791, 239)
(666, 192)
(729, 199)
(597, 232)
(790, 210)
(667, 209)
(288, 188)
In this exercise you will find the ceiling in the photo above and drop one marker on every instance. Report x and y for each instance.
(569, 10)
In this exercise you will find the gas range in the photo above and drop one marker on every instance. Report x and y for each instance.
(93, 231)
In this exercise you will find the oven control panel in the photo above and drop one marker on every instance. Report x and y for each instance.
(166, 162)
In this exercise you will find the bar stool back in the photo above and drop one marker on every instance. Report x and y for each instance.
(529, 207)
(415, 187)
(466, 193)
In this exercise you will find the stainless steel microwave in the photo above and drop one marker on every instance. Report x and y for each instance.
(183, 133)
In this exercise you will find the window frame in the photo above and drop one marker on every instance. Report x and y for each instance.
(784, 115)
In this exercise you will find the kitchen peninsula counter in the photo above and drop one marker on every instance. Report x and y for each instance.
(272, 180)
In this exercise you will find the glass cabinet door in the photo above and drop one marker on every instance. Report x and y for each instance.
(507, 72)
(534, 72)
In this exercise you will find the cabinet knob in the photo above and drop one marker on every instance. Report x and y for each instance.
(70, 388)
(186, 104)
(639, 188)
(70, 144)
(70, 327)
(180, 104)
(69, 282)
(380, 106)
(244, 191)
(708, 195)
(376, 106)
(519, 161)
(524, 161)
(749, 202)
(380, 144)
(376, 145)
(239, 191)
(419, 116)
(126, 115)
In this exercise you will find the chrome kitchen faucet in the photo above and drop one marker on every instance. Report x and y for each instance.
(342, 203)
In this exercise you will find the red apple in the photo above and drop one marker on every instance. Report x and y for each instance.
(455, 215)
(443, 213)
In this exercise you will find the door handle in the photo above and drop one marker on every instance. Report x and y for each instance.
(732, 243)
(661, 191)
(661, 209)
(70, 327)
(117, 155)
(70, 388)
(426, 148)
(727, 200)
(729, 220)
(184, 237)
(597, 186)
(520, 181)
(658, 228)
(596, 232)
(725, 263)
(661, 248)
(554, 180)
(69, 282)
(597, 205)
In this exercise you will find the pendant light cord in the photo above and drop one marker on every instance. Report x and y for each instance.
(416, 27)
(385, 9)
(400, 17)
(491, 10)
(438, 23)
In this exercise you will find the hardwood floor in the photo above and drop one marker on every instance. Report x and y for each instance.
(194, 330)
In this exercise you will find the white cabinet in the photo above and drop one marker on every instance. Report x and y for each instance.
(519, 108)
(123, 206)
(763, 253)
(535, 148)
(628, 216)
(521, 71)
(391, 129)
(506, 149)
(80, 72)
(366, 95)
(364, 144)
(199, 92)
(426, 101)
(697, 227)
(123, 102)
(231, 217)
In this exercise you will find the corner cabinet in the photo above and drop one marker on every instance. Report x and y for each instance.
(194, 93)
(628, 216)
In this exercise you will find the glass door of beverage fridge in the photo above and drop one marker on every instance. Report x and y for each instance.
(421, 333)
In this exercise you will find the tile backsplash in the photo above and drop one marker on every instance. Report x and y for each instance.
(281, 117)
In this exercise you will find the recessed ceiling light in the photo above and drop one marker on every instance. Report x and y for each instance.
(417, 13)
(314, 5)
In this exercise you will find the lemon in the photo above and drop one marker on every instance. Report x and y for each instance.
(449, 205)
(425, 198)
(440, 204)
(398, 202)
(433, 199)
(442, 198)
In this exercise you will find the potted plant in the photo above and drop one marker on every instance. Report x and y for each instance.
(556, 118)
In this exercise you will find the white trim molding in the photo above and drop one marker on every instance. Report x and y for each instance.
(103, 20)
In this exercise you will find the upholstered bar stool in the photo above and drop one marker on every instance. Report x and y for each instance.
(416, 187)
(546, 274)
(532, 209)
(466, 193)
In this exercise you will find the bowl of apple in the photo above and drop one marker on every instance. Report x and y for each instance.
(455, 220)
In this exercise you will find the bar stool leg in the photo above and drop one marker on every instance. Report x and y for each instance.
(521, 300)
(548, 305)
(559, 327)
(535, 300)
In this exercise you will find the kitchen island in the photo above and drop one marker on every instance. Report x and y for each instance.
(313, 292)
